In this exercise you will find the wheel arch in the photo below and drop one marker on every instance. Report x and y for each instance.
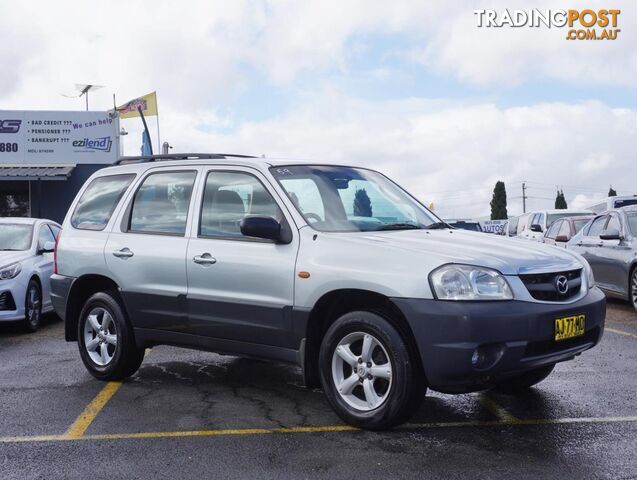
(336, 303)
(83, 287)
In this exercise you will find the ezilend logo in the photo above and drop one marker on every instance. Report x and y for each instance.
(10, 126)
(102, 144)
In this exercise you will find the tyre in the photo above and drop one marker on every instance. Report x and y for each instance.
(525, 380)
(633, 288)
(105, 339)
(33, 306)
(367, 373)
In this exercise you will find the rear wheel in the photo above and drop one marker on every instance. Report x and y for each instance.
(367, 373)
(633, 288)
(105, 339)
(33, 306)
(525, 380)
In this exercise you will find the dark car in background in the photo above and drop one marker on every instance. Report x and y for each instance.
(609, 243)
(562, 230)
(465, 225)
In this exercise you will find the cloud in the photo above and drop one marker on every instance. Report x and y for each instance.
(205, 57)
(445, 152)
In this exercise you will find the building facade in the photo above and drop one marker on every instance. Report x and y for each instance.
(46, 156)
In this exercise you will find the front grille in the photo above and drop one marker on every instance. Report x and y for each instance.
(6, 301)
(545, 347)
(543, 286)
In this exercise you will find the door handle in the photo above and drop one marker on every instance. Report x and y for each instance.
(123, 253)
(579, 244)
(600, 244)
(204, 259)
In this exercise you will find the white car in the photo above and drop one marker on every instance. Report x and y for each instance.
(334, 268)
(26, 264)
(532, 225)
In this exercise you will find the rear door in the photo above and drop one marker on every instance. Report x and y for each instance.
(240, 288)
(146, 251)
(614, 255)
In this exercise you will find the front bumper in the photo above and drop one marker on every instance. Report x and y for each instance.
(514, 336)
(12, 294)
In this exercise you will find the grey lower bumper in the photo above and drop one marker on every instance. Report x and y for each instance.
(514, 336)
(60, 288)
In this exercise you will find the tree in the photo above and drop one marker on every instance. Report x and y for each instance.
(499, 202)
(560, 201)
(362, 204)
(612, 192)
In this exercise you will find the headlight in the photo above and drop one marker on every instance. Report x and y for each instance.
(10, 271)
(465, 282)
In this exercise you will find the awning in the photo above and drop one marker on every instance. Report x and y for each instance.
(33, 172)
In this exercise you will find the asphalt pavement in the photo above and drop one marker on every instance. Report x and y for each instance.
(189, 414)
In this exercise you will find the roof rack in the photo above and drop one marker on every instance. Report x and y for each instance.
(178, 156)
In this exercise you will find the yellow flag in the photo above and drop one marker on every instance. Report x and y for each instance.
(431, 206)
(148, 104)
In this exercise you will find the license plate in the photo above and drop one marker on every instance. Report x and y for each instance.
(569, 327)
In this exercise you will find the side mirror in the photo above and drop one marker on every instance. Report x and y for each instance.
(561, 238)
(610, 234)
(266, 227)
(536, 228)
(47, 248)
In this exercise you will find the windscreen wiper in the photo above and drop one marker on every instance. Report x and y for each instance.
(399, 226)
(437, 226)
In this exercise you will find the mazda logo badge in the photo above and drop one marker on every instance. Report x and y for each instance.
(561, 283)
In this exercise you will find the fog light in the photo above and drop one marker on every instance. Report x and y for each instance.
(476, 357)
(486, 356)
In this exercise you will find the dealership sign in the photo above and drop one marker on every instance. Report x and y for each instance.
(46, 137)
(499, 227)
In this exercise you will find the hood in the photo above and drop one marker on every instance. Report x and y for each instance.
(9, 257)
(510, 256)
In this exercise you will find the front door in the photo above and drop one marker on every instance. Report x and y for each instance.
(239, 288)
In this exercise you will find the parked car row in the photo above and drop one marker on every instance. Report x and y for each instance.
(608, 241)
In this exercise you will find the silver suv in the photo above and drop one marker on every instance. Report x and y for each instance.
(334, 268)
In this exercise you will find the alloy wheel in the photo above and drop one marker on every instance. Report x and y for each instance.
(34, 304)
(362, 371)
(100, 336)
(634, 288)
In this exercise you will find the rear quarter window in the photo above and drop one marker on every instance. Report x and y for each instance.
(99, 200)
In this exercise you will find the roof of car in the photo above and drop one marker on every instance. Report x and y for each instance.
(206, 158)
(19, 220)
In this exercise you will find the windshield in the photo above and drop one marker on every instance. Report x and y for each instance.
(556, 216)
(345, 199)
(632, 222)
(474, 227)
(15, 237)
(624, 202)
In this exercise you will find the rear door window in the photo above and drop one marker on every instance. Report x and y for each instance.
(99, 200)
(161, 203)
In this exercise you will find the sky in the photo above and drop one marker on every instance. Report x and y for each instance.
(412, 88)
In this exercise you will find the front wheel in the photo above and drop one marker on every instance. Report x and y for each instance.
(33, 306)
(367, 373)
(525, 380)
(105, 339)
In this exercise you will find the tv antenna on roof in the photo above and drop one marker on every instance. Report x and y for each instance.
(84, 89)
